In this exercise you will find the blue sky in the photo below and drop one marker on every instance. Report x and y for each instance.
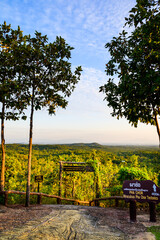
(87, 25)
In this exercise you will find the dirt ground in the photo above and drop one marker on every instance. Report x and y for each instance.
(72, 222)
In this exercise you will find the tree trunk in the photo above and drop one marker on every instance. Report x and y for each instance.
(30, 152)
(158, 129)
(98, 183)
(3, 150)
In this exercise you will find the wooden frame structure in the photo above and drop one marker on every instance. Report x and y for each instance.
(71, 167)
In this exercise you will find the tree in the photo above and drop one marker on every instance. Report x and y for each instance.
(48, 79)
(10, 87)
(132, 173)
(135, 60)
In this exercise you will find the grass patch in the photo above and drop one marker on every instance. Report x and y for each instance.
(155, 230)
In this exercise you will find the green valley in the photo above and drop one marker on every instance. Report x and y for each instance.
(113, 164)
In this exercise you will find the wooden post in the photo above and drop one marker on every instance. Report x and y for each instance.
(97, 187)
(60, 183)
(39, 196)
(133, 211)
(39, 199)
(152, 211)
(73, 189)
(2, 197)
(116, 202)
(5, 198)
(96, 203)
(65, 188)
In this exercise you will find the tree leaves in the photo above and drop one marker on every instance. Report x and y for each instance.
(33, 72)
(10, 87)
(135, 60)
(49, 71)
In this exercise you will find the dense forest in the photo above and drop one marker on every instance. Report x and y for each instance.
(113, 163)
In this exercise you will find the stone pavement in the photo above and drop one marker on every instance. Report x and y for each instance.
(69, 223)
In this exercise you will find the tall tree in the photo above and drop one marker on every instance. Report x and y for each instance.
(10, 97)
(135, 60)
(49, 78)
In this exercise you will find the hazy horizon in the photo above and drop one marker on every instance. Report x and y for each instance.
(85, 143)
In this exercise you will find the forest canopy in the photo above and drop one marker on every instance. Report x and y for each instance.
(115, 163)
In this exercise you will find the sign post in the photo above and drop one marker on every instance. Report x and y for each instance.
(141, 191)
(152, 211)
(132, 210)
(39, 179)
(71, 167)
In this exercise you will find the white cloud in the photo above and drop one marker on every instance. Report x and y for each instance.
(86, 25)
(86, 97)
(80, 22)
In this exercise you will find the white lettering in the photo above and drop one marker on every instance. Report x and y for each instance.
(135, 184)
(155, 194)
(154, 187)
(135, 189)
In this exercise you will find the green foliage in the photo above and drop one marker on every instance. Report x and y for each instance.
(78, 185)
(47, 72)
(11, 90)
(155, 230)
(132, 173)
(159, 179)
(116, 190)
(45, 78)
(135, 61)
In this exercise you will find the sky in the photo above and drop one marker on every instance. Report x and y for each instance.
(86, 25)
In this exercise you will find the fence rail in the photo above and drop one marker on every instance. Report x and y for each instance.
(94, 202)
(59, 199)
(97, 200)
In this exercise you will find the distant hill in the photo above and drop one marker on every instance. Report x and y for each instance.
(92, 145)
(87, 146)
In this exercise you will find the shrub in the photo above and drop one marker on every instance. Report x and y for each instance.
(126, 173)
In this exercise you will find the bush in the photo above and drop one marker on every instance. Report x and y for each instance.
(126, 173)
(116, 190)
